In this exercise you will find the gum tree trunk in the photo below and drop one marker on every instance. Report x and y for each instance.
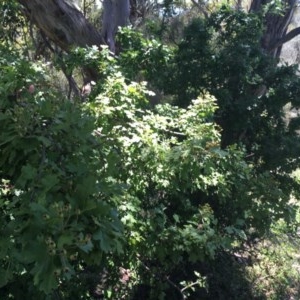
(62, 22)
(115, 14)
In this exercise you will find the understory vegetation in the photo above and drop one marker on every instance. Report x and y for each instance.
(176, 177)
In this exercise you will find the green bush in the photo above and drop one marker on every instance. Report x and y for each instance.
(56, 204)
(108, 198)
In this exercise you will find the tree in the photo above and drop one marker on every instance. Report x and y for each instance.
(63, 23)
(277, 19)
(115, 14)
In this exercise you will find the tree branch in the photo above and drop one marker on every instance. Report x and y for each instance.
(289, 36)
(63, 23)
(201, 8)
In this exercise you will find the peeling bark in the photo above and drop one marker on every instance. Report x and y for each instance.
(63, 23)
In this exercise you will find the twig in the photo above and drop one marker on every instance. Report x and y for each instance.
(189, 286)
(164, 277)
(71, 81)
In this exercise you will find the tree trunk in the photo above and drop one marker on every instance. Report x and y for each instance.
(115, 14)
(63, 23)
(276, 26)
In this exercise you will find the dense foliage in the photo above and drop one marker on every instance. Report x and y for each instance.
(110, 196)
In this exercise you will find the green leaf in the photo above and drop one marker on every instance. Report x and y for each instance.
(5, 276)
(87, 247)
(28, 173)
(176, 218)
(37, 207)
(103, 239)
(44, 275)
(49, 181)
(46, 142)
(65, 239)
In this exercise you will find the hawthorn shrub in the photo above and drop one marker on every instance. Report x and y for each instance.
(108, 198)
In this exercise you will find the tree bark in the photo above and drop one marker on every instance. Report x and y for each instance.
(115, 14)
(276, 25)
(63, 23)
